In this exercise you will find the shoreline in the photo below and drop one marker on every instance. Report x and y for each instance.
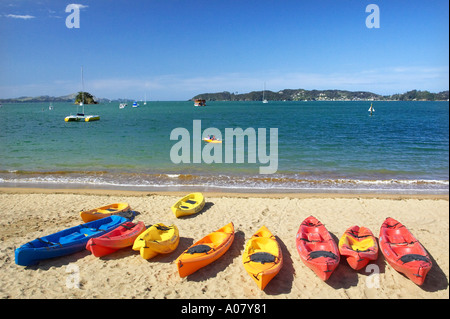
(221, 193)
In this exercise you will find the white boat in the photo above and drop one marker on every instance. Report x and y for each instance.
(145, 100)
(371, 109)
(264, 91)
(122, 105)
(50, 107)
(80, 116)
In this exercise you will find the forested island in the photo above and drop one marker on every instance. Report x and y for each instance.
(323, 95)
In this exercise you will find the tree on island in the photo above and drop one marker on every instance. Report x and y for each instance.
(86, 97)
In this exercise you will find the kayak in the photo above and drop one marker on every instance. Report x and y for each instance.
(120, 237)
(157, 239)
(188, 205)
(65, 242)
(104, 211)
(359, 246)
(262, 257)
(317, 248)
(403, 251)
(205, 251)
(208, 140)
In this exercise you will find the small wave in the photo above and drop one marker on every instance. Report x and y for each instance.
(291, 183)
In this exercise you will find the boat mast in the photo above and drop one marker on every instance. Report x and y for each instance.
(82, 90)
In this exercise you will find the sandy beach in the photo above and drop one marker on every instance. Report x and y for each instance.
(30, 213)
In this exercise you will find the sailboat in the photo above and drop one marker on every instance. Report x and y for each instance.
(81, 117)
(264, 91)
(145, 100)
(371, 109)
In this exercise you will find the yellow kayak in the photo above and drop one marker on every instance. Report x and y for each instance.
(208, 140)
(157, 239)
(262, 257)
(104, 211)
(188, 205)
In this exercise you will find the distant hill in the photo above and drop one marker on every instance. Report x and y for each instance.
(322, 95)
(46, 98)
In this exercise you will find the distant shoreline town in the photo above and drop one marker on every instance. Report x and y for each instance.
(282, 95)
(323, 95)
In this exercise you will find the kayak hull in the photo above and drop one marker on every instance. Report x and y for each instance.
(104, 211)
(262, 257)
(359, 246)
(65, 242)
(189, 205)
(157, 239)
(403, 251)
(205, 251)
(316, 248)
(121, 237)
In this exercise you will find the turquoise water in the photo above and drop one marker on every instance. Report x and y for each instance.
(322, 146)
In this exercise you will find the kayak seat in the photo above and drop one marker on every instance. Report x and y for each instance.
(198, 249)
(191, 202)
(321, 253)
(262, 257)
(413, 257)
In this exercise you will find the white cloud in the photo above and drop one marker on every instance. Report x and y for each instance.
(79, 6)
(17, 16)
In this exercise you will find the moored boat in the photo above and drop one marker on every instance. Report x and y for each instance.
(199, 102)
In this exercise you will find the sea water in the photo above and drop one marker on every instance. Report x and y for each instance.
(323, 146)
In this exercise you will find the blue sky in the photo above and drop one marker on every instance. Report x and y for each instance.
(175, 49)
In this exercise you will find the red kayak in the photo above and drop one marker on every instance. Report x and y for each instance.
(121, 237)
(317, 248)
(403, 251)
(359, 246)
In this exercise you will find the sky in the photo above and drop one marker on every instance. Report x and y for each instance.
(176, 49)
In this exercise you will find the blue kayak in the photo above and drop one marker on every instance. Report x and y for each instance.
(65, 242)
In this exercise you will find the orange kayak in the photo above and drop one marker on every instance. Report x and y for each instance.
(121, 237)
(317, 248)
(205, 251)
(403, 251)
(105, 211)
(359, 246)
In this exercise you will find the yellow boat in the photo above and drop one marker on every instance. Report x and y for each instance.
(205, 251)
(104, 211)
(262, 257)
(189, 204)
(157, 239)
(208, 140)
